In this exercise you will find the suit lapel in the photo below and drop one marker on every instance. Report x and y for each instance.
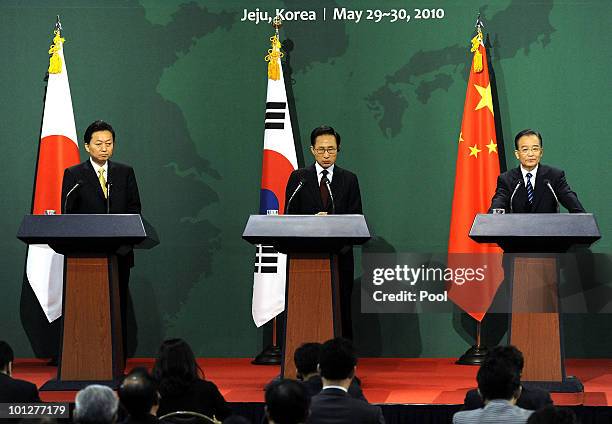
(540, 186)
(520, 198)
(337, 184)
(92, 177)
(313, 186)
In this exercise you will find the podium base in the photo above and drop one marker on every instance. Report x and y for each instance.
(473, 356)
(75, 385)
(570, 385)
(269, 356)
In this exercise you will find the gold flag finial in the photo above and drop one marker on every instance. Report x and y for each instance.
(476, 42)
(274, 54)
(55, 61)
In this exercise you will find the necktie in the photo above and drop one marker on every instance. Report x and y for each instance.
(102, 182)
(323, 189)
(529, 188)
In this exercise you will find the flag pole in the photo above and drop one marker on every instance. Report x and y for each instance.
(272, 354)
(475, 355)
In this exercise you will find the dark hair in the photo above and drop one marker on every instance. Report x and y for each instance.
(287, 402)
(324, 130)
(525, 132)
(138, 392)
(306, 358)
(175, 367)
(236, 419)
(97, 126)
(507, 353)
(6, 354)
(337, 359)
(553, 415)
(498, 379)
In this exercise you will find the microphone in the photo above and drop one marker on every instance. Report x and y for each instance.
(108, 191)
(331, 196)
(298, 188)
(547, 182)
(518, 184)
(77, 185)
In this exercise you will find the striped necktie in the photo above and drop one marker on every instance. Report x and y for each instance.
(102, 182)
(529, 188)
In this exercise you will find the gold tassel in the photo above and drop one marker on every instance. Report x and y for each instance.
(274, 54)
(55, 61)
(476, 42)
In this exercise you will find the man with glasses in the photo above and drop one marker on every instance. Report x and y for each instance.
(533, 187)
(314, 198)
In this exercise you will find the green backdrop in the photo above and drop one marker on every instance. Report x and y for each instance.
(184, 85)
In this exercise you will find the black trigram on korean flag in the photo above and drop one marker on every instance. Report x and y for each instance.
(275, 115)
(266, 260)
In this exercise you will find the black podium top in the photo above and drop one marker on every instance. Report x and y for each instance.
(536, 232)
(307, 233)
(86, 233)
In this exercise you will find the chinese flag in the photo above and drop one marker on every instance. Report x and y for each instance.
(476, 173)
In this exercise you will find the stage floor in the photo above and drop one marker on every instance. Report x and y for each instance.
(384, 380)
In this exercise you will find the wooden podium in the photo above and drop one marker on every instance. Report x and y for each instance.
(312, 299)
(92, 347)
(533, 241)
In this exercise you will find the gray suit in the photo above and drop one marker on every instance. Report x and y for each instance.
(497, 411)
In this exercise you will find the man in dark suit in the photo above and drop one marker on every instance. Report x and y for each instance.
(306, 358)
(11, 389)
(533, 187)
(308, 193)
(531, 398)
(286, 402)
(99, 186)
(139, 397)
(337, 364)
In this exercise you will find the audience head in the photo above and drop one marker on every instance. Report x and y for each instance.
(498, 379)
(508, 353)
(96, 404)
(138, 393)
(306, 358)
(286, 402)
(337, 359)
(175, 366)
(553, 415)
(236, 419)
(6, 357)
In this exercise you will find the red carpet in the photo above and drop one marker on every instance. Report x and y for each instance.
(384, 380)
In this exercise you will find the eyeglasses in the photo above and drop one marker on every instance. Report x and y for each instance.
(534, 149)
(322, 150)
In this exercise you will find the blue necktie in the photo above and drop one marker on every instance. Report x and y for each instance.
(529, 188)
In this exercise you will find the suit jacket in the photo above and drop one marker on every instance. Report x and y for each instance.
(531, 398)
(307, 201)
(314, 385)
(17, 391)
(543, 201)
(147, 419)
(495, 412)
(89, 198)
(202, 396)
(338, 407)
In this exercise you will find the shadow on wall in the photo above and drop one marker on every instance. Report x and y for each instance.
(376, 335)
